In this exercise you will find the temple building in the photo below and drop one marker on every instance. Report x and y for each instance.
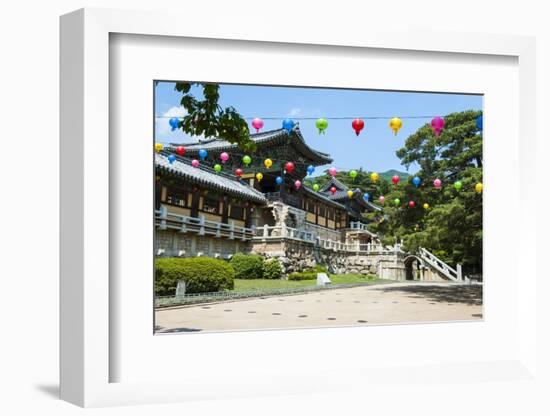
(201, 212)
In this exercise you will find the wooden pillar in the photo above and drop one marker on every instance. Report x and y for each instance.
(225, 209)
(196, 197)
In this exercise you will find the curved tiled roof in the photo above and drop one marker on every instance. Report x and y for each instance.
(272, 137)
(323, 198)
(342, 193)
(208, 177)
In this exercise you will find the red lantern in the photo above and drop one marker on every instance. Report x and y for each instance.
(411, 204)
(333, 190)
(357, 125)
(239, 172)
(395, 180)
(180, 150)
(289, 167)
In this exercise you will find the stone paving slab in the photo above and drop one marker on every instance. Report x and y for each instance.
(367, 305)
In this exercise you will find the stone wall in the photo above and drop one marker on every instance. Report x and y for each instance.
(170, 243)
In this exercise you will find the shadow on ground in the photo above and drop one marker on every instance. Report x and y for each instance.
(468, 295)
(162, 330)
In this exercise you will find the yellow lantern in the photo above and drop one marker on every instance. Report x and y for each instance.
(350, 194)
(426, 205)
(374, 176)
(395, 124)
(259, 176)
(479, 187)
(268, 163)
(158, 147)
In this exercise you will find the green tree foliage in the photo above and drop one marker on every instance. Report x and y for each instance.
(247, 266)
(206, 117)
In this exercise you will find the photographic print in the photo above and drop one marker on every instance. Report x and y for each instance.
(281, 207)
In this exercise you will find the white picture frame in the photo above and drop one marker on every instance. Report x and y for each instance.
(86, 310)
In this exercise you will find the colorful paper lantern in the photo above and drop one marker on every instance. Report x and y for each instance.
(353, 174)
(195, 163)
(321, 125)
(382, 199)
(412, 204)
(247, 160)
(257, 123)
(396, 201)
(457, 185)
(224, 157)
(395, 125)
(426, 205)
(374, 176)
(171, 159)
(298, 184)
(288, 125)
(479, 187)
(239, 172)
(416, 181)
(180, 150)
(158, 147)
(316, 187)
(357, 125)
(202, 154)
(332, 190)
(259, 176)
(289, 167)
(479, 123)
(366, 197)
(310, 169)
(395, 179)
(279, 180)
(218, 168)
(174, 123)
(437, 183)
(437, 125)
(332, 172)
(268, 163)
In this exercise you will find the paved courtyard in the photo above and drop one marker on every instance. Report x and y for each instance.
(366, 305)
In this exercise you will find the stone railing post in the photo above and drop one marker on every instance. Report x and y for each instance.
(459, 271)
(163, 216)
(266, 231)
(232, 230)
(201, 224)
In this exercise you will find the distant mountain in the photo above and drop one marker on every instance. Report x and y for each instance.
(387, 175)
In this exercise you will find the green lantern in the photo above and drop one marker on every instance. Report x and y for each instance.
(457, 185)
(247, 160)
(353, 174)
(321, 125)
(396, 202)
(316, 187)
(218, 168)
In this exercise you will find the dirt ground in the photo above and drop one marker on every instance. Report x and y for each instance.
(367, 305)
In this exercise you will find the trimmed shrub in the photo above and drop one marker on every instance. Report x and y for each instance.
(247, 266)
(272, 269)
(305, 275)
(201, 274)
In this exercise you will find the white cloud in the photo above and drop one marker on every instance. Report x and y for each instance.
(294, 112)
(164, 132)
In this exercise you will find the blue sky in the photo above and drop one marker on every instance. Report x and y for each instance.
(373, 150)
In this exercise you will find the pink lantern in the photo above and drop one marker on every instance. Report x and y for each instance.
(257, 123)
(239, 172)
(382, 199)
(395, 179)
(332, 172)
(297, 184)
(195, 163)
(437, 125)
(411, 204)
(224, 157)
(437, 183)
(333, 190)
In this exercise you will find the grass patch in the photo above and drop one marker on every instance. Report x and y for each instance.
(244, 285)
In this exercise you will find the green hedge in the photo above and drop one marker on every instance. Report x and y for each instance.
(247, 266)
(201, 274)
(272, 269)
(305, 275)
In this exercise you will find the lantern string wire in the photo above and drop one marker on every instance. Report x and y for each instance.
(326, 118)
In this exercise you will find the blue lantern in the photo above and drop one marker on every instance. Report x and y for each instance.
(310, 169)
(202, 154)
(366, 197)
(288, 125)
(416, 181)
(171, 158)
(279, 180)
(479, 123)
(174, 122)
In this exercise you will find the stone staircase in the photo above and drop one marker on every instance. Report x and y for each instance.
(441, 267)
